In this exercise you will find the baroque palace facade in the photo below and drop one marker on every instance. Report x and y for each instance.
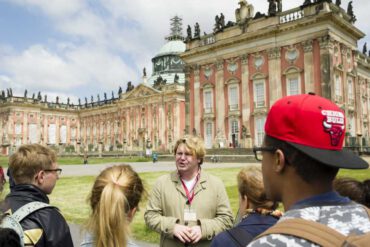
(234, 74)
(149, 116)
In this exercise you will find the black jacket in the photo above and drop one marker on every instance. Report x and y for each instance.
(55, 231)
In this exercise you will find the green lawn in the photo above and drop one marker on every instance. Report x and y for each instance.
(92, 160)
(71, 192)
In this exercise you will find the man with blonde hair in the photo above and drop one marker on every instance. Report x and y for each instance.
(35, 171)
(188, 207)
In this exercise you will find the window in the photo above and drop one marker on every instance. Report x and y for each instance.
(259, 93)
(63, 134)
(234, 127)
(350, 90)
(233, 97)
(18, 129)
(293, 87)
(338, 85)
(32, 133)
(208, 101)
(259, 130)
(234, 130)
(352, 126)
(51, 134)
(208, 136)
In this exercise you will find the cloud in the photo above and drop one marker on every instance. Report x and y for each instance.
(100, 44)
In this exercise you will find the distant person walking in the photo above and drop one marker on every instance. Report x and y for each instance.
(85, 158)
(114, 200)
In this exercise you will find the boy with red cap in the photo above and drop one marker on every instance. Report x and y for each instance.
(301, 155)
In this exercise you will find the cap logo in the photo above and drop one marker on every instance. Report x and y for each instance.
(333, 125)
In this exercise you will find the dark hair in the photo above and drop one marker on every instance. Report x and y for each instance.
(307, 168)
(357, 191)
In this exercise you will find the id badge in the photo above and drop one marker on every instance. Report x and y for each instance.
(190, 214)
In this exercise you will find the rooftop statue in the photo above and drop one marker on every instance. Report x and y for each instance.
(188, 33)
(57, 100)
(364, 48)
(350, 12)
(33, 96)
(68, 101)
(307, 2)
(130, 87)
(105, 96)
(25, 93)
(272, 8)
(217, 21)
(98, 97)
(112, 95)
(119, 90)
(144, 72)
(45, 98)
(196, 31)
(176, 79)
(39, 97)
(79, 101)
(338, 2)
(92, 99)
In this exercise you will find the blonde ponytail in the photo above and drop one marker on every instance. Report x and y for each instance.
(116, 191)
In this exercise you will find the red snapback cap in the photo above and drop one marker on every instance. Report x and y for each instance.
(315, 126)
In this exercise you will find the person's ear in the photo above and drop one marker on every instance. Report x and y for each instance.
(245, 198)
(131, 214)
(39, 177)
(279, 164)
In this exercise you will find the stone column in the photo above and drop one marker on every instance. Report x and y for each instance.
(162, 122)
(220, 103)
(326, 63)
(308, 66)
(176, 122)
(198, 107)
(187, 99)
(246, 108)
(275, 90)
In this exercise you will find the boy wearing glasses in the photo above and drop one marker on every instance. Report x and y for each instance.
(301, 155)
(35, 171)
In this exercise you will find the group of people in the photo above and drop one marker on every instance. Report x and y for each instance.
(301, 154)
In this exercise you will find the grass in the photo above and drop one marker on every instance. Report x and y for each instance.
(71, 193)
(92, 160)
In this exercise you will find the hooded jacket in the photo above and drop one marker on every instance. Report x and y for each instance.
(45, 227)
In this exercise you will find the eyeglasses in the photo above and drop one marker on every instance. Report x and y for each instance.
(58, 170)
(258, 151)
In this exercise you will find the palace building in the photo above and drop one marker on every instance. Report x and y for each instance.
(149, 116)
(235, 73)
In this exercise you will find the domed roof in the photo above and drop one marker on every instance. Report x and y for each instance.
(172, 47)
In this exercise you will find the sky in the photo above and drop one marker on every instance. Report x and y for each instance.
(79, 48)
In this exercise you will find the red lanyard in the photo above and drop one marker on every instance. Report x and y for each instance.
(190, 194)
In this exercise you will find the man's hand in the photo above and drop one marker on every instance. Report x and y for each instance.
(183, 233)
(196, 234)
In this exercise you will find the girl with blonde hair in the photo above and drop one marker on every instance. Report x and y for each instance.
(114, 200)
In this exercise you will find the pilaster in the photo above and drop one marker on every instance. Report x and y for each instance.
(308, 66)
(274, 68)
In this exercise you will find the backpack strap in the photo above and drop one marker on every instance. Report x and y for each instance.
(310, 230)
(240, 237)
(27, 209)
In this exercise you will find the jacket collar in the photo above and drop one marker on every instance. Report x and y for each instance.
(201, 185)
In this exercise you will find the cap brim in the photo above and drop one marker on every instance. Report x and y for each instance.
(335, 158)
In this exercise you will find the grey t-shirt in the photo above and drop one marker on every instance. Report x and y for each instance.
(346, 219)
